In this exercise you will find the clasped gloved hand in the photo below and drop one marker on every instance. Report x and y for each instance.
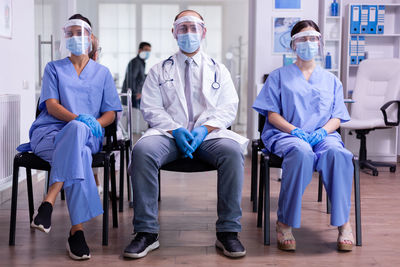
(300, 133)
(199, 133)
(182, 138)
(317, 136)
(92, 123)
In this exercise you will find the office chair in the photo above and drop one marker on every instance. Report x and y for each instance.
(270, 160)
(377, 88)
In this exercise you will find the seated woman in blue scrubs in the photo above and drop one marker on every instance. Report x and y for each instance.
(77, 101)
(304, 106)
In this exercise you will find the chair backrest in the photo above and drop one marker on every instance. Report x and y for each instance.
(377, 82)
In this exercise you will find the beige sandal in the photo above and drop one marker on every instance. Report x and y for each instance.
(286, 235)
(345, 235)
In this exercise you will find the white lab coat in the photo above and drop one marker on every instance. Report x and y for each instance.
(164, 108)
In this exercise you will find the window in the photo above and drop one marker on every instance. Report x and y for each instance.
(212, 15)
(157, 22)
(117, 35)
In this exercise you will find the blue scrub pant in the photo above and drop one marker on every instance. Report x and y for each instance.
(154, 151)
(329, 158)
(69, 151)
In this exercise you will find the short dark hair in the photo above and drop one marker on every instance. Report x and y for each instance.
(301, 25)
(186, 10)
(143, 44)
(79, 16)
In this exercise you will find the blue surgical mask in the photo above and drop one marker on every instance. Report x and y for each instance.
(189, 42)
(144, 55)
(74, 45)
(307, 50)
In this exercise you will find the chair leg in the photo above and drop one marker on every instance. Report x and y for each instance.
(14, 196)
(30, 193)
(260, 194)
(357, 201)
(254, 171)
(128, 178)
(105, 199)
(267, 239)
(121, 180)
(328, 205)
(113, 192)
(159, 185)
(320, 188)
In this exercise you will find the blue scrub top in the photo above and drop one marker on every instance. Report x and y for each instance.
(305, 104)
(93, 93)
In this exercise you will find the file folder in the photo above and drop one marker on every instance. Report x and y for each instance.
(355, 19)
(360, 49)
(364, 18)
(372, 19)
(353, 50)
(381, 20)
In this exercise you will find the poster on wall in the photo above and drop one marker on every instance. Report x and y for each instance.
(5, 19)
(281, 33)
(287, 4)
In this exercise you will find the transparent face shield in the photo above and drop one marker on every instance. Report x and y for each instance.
(308, 45)
(189, 24)
(76, 38)
(189, 31)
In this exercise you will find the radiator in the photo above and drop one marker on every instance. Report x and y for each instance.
(10, 117)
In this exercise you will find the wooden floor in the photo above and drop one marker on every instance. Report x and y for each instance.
(187, 218)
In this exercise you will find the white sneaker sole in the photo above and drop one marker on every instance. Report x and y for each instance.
(40, 227)
(74, 257)
(219, 245)
(153, 246)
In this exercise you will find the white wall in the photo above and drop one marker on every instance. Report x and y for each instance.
(261, 58)
(17, 62)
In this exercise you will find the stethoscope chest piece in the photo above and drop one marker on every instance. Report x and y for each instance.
(215, 85)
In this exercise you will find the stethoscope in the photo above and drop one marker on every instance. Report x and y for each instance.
(215, 85)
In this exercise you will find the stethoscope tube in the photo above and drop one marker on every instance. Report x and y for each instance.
(215, 85)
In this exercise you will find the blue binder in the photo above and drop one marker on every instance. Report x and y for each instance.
(360, 49)
(353, 50)
(364, 18)
(372, 19)
(381, 20)
(355, 19)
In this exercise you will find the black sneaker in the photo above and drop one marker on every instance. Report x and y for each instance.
(230, 244)
(42, 220)
(77, 247)
(141, 244)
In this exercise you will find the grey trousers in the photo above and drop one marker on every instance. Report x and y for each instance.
(151, 152)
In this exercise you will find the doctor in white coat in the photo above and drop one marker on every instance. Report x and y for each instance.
(189, 101)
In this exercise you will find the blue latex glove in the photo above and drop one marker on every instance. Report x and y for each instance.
(317, 136)
(199, 133)
(300, 133)
(92, 123)
(182, 139)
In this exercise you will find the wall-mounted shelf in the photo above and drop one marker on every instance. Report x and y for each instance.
(331, 29)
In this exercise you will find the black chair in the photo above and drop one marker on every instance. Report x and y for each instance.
(257, 146)
(30, 161)
(271, 160)
(185, 165)
(121, 145)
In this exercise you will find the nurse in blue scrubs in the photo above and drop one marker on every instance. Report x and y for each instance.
(304, 107)
(77, 101)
